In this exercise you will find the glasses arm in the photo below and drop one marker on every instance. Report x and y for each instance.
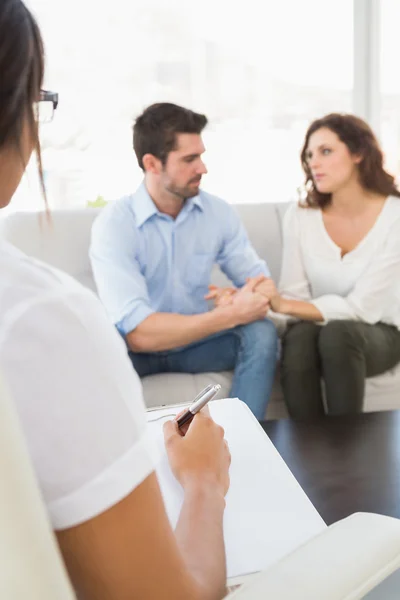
(46, 96)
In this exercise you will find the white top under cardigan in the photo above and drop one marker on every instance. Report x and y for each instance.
(78, 398)
(364, 285)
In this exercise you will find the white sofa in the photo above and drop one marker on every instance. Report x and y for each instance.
(65, 244)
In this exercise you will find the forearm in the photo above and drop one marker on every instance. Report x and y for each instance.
(164, 331)
(299, 309)
(199, 533)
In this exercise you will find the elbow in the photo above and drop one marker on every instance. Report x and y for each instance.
(370, 315)
(196, 590)
(369, 319)
(138, 342)
(141, 342)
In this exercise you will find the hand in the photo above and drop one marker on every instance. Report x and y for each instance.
(201, 455)
(222, 296)
(268, 288)
(247, 304)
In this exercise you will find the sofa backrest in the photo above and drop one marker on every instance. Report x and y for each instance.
(65, 242)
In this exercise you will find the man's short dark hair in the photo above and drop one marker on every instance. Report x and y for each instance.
(155, 130)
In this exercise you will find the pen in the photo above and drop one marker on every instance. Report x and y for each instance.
(198, 403)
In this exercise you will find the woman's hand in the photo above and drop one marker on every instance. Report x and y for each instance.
(201, 456)
(268, 288)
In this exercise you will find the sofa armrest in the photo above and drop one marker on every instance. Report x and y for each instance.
(31, 563)
(344, 562)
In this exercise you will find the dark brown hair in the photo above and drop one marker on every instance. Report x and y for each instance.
(360, 140)
(154, 132)
(21, 74)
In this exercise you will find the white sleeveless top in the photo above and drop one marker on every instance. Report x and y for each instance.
(78, 398)
(364, 285)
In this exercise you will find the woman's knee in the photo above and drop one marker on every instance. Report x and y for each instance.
(299, 346)
(338, 338)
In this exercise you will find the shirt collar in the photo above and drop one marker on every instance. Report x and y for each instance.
(194, 201)
(144, 207)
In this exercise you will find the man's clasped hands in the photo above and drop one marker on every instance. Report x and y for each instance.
(260, 292)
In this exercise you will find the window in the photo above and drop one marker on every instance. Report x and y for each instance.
(390, 84)
(259, 71)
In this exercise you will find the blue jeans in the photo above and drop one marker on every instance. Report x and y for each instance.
(249, 350)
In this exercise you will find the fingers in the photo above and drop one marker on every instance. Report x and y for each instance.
(200, 418)
(225, 300)
(183, 429)
(263, 295)
(213, 292)
(202, 422)
(171, 432)
(180, 413)
(228, 452)
(267, 288)
(252, 283)
(206, 411)
(216, 292)
(257, 279)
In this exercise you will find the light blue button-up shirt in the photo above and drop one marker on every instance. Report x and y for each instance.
(145, 261)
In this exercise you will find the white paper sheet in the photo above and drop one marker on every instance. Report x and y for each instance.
(267, 513)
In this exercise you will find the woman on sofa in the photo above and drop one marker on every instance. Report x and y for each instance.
(80, 402)
(340, 278)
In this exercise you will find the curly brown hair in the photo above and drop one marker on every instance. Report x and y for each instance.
(360, 140)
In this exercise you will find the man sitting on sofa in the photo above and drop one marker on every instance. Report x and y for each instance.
(152, 254)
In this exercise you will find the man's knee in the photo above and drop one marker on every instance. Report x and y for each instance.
(337, 338)
(260, 336)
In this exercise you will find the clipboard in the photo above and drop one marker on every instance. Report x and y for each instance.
(267, 513)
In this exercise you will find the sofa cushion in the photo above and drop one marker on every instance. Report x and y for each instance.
(173, 388)
(63, 242)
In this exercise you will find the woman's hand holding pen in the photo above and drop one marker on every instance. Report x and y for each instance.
(201, 456)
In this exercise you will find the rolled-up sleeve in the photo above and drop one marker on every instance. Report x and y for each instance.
(237, 257)
(120, 283)
(84, 417)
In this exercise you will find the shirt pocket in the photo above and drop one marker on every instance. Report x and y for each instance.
(198, 271)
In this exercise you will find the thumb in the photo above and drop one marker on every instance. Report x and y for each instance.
(170, 430)
(210, 296)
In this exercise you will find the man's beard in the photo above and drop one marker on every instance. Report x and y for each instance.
(184, 192)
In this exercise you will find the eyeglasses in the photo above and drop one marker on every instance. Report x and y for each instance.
(44, 109)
